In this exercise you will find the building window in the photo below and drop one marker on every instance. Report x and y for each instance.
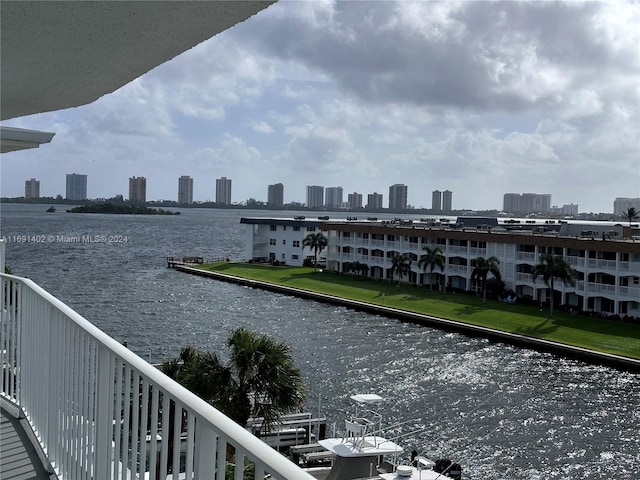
(296, 244)
(296, 229)
(294, 257)
(272, 228)
(283, 257)
(311, 229)
(272, 241)
(284, 242)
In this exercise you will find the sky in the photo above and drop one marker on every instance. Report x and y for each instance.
(480, 98)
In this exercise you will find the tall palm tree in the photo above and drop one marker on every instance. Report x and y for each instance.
(432, 258)
(400, 264)
(259, 378)
(552, 267)
(484, 267)
(631, 214)
(317, 242)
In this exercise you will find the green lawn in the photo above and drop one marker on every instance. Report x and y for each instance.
(592, 333)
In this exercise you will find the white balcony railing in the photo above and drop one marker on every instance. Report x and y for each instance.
(92, 403)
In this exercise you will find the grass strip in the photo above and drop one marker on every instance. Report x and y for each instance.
(597, 334)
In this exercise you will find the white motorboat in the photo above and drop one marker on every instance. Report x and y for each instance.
(364, 454)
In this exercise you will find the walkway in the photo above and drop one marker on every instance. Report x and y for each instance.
(18, 457)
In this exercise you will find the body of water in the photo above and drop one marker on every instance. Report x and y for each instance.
(502, 412)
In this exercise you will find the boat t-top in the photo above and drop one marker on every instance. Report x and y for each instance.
(364, 454)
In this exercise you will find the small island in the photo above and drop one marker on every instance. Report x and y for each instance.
(121, 210)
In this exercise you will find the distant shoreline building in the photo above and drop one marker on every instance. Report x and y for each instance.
(447, 200)
(355, 201)
(374, 201)
(223, 191)
(275, 195)
(436, 201)
(622, 204)
(32, 188)
(398, 197)
(76, 186)
(137, 189)
(570, 210)
(526, 203)
(333, 197)
(315, 196)
(185, 190)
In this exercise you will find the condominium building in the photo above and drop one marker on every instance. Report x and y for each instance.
(355, 201)
(185, 190)
(605, 258)
(374, 201)
(223, 191)
(526, 203)
(315, 196)
(607, 264)
(333, 197)
(570, 210)
(137, 189)
(447, 200)
(76, 186)
(436, 201)
(398, 197)
(32, 188)
(275, 195)
(271, 239)
(621, 205)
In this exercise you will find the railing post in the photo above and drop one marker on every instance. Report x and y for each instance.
(205, 455)
(104, 404)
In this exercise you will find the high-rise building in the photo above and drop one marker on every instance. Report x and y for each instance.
(355, 200)
(398, 197)
(374, 201)
(76, 186)
(137, 189)
(275, 195)
(447, 198)
(223, 191)
(570, 210)
(32, 188)
(526, 203)
(315, 196)
(622, 204)
(185, 190)
(436, 201)
(333, 197)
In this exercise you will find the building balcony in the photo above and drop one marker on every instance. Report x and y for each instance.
(526, 256)
(92, 403)
(457, 250)
(606, 265)
(457, 269)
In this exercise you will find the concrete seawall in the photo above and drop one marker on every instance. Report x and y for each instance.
(591, 356)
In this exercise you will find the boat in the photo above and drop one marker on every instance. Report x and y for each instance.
(364, 454)
(51, 209)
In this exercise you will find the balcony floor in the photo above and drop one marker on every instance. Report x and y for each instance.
(18, 457)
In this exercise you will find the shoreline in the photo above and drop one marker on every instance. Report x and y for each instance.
(579, 353)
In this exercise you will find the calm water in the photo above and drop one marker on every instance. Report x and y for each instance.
(503, 412)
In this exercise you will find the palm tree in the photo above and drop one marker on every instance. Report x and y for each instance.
(552, 267)
(259, 379)
(484, 266)
(400, 264)
(631, 214)
(432, 258)
(317, 242)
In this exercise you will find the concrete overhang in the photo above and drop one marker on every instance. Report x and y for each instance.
(62, 54)
(12, 139)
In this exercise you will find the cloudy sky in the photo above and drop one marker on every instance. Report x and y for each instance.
(475, 97)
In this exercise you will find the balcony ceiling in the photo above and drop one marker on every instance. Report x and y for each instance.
(61, 54)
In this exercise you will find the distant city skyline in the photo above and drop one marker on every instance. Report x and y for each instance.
(543, 109)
